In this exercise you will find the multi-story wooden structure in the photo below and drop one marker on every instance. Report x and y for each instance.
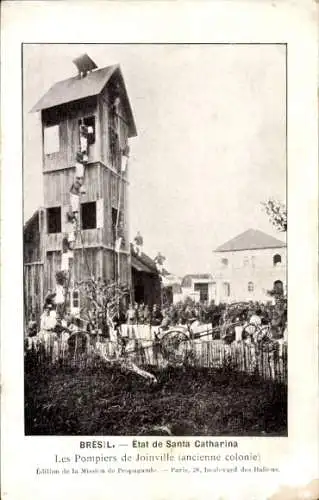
(96, 98)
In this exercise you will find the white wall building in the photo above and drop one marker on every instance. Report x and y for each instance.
(198, 287)
(247, 266)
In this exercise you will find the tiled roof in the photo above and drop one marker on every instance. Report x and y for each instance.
(252, 239)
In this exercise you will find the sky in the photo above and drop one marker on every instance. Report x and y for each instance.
(211, 144)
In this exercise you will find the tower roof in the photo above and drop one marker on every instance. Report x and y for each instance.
(252, 239)
(76, 88)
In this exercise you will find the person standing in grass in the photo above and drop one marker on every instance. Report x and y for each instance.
(47, 325)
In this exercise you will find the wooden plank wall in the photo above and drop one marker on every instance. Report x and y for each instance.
(125, 270)
(57, 185)
(39, 278)
(104, 103)
(97, 261)
(32, 241)
(106, 190)
(103, 115)
(109, 265)
(110, 185)
(33, 284)
(87, 238)
(85, 263)
(52, 265)
(125, 210)
(67, 116)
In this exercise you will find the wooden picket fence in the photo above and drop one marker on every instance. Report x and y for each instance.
(268, 361)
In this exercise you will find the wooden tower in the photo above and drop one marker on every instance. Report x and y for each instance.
(86, 124)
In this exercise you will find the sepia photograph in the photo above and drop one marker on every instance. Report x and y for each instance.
(155, 239)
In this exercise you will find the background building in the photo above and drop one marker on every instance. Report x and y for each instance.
(248, 266)
(198, 287)
(146, 281)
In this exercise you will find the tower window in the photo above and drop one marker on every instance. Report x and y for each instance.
(250, 286)
(51, 139)
(88, 215)
(54, 220)
(276, 259)
(225, 262)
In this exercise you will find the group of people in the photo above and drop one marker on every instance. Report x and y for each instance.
(183, 313)
(272, 316)
(52, 328)
(142, 314)
(247, 322)
(171, 315)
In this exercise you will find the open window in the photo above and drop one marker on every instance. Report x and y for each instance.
(88, 215)
(54, 220)
(225, 262)
(202, 288)
(51, 139)
(276, 259)
(89, 123)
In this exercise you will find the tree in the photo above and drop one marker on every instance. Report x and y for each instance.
(102, 299)
(277, 213)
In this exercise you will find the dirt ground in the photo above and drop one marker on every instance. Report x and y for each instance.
(189, 401)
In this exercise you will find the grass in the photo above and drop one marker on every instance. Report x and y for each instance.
(190, 401)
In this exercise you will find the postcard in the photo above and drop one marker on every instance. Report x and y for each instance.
(159, 256)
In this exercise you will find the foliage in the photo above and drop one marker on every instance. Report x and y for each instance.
(277, 213)
(102, 299)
